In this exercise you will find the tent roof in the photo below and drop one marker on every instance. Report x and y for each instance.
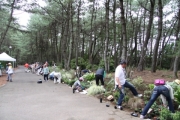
(6, 57)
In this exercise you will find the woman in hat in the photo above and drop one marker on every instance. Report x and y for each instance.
(9, 72)
(77, 85)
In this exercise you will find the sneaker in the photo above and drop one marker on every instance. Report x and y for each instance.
(141, 117)
(139, 95)
(118, 107)
(134, 114)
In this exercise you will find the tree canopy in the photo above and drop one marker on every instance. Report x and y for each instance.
(145, 33)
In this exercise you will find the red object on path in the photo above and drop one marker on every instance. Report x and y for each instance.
(26, 65)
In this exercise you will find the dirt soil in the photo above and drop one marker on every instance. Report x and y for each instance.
(149, 77)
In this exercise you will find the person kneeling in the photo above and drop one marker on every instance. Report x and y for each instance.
(77, 85)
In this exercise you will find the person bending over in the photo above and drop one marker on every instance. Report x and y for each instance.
(166, 93)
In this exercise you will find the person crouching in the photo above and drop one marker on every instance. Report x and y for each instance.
(77, 85)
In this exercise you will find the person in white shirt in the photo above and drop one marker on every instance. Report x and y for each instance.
(121, 83)
(9, 72)
(166, 93)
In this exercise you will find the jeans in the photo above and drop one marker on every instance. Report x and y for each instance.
(158, 90)
(9, 77)
(122, 92)
(51, 77)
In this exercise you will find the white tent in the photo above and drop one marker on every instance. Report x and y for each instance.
(6, 57)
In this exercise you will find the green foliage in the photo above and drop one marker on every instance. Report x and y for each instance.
(167, 56)
(81, 62)
(92, 67)
(116, 95)
(89, 76)
(147, 95)
(85, 84)
(151, 87)
(111, 64)
(109, 85)
(138, 83)
(165, 114)
(67, 75)
(174, 85)
(176, 116)
(95, 90)
(126, 98)
(66, 81)
(71, 82)
(110, 75)
(177, 95)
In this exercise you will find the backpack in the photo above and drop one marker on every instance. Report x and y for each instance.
(159, 82)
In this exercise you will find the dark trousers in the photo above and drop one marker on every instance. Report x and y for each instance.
(45, 76)
(99, 77)
(158, 90)
(122, 92)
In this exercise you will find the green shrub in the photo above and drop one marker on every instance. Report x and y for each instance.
(165, 114)
(173, 85)
(71, 82)
(138, 83)
(66, 81)
(81, 63)
(89, 76)
(151, 87)
(177, 96)
(94, 90)
(85, 84)
(176, 116)
(110, 75)
(116, 95)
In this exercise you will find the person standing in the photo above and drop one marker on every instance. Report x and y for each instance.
(100, 75)
(121, 83)
(166, 93)
(45, 72)
(9, 72)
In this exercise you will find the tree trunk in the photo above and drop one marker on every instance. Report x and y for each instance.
(124, 35)
(3, 36)
(71, 37)
(107, 37)
(114, 34)
(144, 47)
(156, 46)
(92, 34)
(176, 61)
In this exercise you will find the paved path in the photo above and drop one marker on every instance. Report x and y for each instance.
(24, 99)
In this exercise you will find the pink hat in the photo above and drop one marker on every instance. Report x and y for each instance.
(81, 79)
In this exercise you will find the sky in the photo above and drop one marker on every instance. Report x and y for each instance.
(24, 17)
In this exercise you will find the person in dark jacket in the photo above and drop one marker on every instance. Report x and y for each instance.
(100, 74)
